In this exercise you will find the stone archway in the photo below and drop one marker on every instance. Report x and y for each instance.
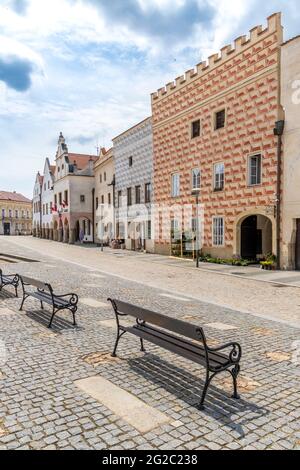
(254, 234)
(55, 231)
(66, 233)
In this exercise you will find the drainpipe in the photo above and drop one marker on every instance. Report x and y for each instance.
(93, 214)
(278, 131)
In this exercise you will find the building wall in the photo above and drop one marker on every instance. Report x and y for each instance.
(21, 225)
(290, 96)
(36, 205)
(104, 171)
(244, 81)
(137, 143)
(47, 201)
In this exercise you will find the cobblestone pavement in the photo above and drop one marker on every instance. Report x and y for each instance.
(41, 408)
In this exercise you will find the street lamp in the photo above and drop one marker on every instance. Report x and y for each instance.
(196, 194)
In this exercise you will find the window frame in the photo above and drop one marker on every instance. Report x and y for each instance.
(215, 187)
(215, 118)
(249, 169)
(214, 218)
(173, 195)
(192, 176)
(192, 128)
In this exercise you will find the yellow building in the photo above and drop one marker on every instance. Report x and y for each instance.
(16, 214)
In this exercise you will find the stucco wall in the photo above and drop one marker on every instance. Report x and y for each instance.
(290, 95)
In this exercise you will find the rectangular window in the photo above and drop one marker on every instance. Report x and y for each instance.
(66, 198)
(97, 203)
(82, 198)
(102, 199)
(129, 197)
(254, 170)
(137, 194)
(119, 198)
(17, 214)
(60, 198)
(196, 129)
(219, 170)
(218, 231)
(55, 199)
(100, 178)
(175, 185)
(196, 178)
(149, 230)
(109, 198)
(220, 119)
(148, 189)
(3, 213)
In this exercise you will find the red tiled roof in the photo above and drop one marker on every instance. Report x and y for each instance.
(16, 197)
(80, 159)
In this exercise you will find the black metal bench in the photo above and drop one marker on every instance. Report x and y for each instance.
(9, 280)
(197, 350)
(44, 293)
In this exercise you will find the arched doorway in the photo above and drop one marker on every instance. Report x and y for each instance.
(256, 237)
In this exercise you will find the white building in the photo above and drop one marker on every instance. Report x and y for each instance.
(47, 200)
(36, 206)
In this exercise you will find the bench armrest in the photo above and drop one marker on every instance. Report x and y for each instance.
(234, 355)
(73, 297)
(15, 277)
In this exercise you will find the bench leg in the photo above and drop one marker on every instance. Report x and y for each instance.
(16, 289)
(142, 345)
(42, 306)
(74, 320)
(119, 336)
(206, 385)
(235, 372)
(23, 300)
(51, 320)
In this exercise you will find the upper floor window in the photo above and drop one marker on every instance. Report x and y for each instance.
(137, 194)
(109, 198)
(175, 185)
(100, 177)
(254, 170)
(105, 176)
(148, 192)
(196, 178)
(17, 214)
(129, 197)
(196, 129)
(219, 171)
(220, 119)
(60, 198)
(119, 198)
(97, 203)
(82, 198)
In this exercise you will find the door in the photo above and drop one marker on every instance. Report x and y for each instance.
(297, 247)
(7, 229)
(249, 238)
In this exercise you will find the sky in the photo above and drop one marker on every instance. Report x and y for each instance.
(87, 67)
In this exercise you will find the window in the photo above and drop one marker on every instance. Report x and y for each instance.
(218, 231)
(137, 194)
(175, 232)
(219, 170)
(97, 203)
(254, 170)
(60, 198)
(129, 197)
(148, 192)
(149, 230)
(130, 161)
(196, 178)
(66, 198)
(82, 198)
(109, 198)
(220, 119)
(17, 214)
(48, 184)
(175, 190)
(10, 213)
(101, 178)
(105, 176)
(3, 213)
(102, 199)
(196, 129)
(119, 198)
(45, 187)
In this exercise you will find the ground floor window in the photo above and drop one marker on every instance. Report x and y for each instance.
(218, 231)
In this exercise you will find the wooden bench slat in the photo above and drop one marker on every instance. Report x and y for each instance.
(177, 326)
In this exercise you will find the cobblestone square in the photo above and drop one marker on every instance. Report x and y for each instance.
(42, 408)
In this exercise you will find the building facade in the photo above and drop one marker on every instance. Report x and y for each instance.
(73, 207)
(290, 97)
(16, 214)
(133, 154)
(37, 206)
(47, 200)
(104, 173)
(213, 132)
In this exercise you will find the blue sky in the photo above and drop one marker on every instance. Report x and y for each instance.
(87, 67)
